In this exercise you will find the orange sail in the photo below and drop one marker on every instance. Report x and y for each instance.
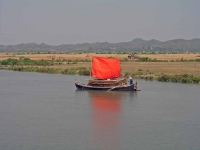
(105, 68)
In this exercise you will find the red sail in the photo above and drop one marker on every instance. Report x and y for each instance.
(105, 68)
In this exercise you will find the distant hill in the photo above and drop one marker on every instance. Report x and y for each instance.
(134, 45)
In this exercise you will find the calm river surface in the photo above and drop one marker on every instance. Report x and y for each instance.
(46, 112)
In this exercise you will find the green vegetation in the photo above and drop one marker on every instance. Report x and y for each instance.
(185, 60)
(28, 65)
(25, 61)
(43, 66)
(71, 71)
(140, 74)
(146, 59)
(182, 78)
(36, 69)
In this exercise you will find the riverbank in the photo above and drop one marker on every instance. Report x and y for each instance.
(150, 67)
(180, 78)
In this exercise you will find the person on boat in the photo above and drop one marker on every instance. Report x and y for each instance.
(130, 80)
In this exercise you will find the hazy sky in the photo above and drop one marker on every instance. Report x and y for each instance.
(58, 22)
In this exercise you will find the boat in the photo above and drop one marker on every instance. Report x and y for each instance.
(105, 76)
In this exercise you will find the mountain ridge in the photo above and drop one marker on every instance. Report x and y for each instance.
(137, 44)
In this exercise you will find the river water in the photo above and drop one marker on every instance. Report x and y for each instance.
(46, 112)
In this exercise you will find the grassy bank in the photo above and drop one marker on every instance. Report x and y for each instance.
(51, 70)
(179, 78)
(139, 74)
(150, 67)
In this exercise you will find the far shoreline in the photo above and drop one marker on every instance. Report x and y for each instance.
(182, 68)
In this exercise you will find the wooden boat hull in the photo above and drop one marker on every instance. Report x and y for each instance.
(115, 88)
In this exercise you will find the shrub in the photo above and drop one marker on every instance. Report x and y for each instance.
(148, 78)
(84, 72)
(143, 58)
(182, 78)
(163, 78)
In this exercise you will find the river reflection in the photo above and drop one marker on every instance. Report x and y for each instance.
(106, 110)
